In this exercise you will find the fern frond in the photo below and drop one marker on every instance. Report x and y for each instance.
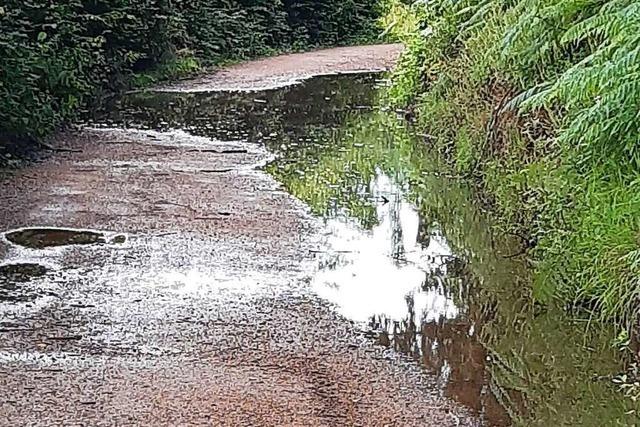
(481, 10)
(532, 97)
(593, 25)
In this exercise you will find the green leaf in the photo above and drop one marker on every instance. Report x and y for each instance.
(42, 36)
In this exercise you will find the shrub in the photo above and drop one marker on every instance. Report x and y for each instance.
(61, 56)
(543, 96)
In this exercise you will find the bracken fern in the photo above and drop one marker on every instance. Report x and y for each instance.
(574, 65)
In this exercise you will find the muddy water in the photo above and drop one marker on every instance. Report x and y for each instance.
(406, 253)
(40, 238)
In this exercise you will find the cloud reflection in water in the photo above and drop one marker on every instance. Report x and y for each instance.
(381, 272)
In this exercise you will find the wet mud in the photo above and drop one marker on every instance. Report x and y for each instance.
(14, 279)
(40, 238)
(293, 256)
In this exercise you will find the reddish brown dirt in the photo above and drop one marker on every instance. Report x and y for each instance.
(289, 69)
(203, 317)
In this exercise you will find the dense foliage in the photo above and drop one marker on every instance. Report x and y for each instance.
(540, 101)
(61, 56)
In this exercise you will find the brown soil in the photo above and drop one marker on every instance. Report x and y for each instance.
(284, 70)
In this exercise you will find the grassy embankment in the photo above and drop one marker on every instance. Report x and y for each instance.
(539, 101)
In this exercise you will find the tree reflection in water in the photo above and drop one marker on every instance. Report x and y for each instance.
(402, 278)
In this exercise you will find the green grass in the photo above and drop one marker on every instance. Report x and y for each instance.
(538, 101)
(180, 67)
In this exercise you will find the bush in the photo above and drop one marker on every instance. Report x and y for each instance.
(61, 56)
(539, 100)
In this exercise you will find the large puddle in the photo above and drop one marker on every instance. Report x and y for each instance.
(407, 253)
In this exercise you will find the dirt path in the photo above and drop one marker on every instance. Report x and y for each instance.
(285, 70)
(203, 316)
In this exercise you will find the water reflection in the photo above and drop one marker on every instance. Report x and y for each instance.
(288, 115)
(402, 281)
(407, 252)
(386, 270)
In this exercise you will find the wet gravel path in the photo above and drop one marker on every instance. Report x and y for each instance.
(285, 70)
(203, 315)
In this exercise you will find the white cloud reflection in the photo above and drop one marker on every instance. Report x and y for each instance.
(367, 273)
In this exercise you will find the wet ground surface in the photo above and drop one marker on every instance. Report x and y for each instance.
(203, 315)
(286, 70)
(281, 257)
(42, 238)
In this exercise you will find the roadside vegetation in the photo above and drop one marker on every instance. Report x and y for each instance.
(539, 102)
(62, 57)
